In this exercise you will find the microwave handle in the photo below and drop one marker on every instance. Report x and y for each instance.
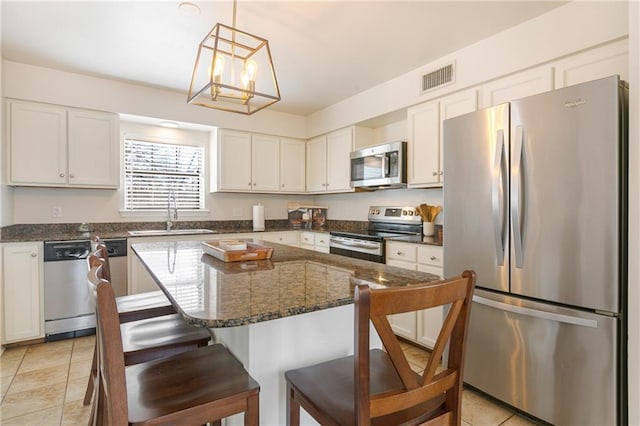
(385, 165)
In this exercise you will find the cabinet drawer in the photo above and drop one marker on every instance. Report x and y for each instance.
(322, 240)
(307, 238)
(401, 251)
(431, 255)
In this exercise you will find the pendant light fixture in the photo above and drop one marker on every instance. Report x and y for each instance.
(233, 71)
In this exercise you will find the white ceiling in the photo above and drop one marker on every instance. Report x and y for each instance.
(323, 51)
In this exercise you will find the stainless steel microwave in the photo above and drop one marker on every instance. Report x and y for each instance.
(380, 166)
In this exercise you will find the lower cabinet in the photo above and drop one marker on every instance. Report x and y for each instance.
(317, 241)
(289, 238)
(420, 327)
(22, 273)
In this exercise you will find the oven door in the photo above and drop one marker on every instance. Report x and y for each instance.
(359, 249)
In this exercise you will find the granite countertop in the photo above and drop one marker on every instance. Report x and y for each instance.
(211, 293)
(69, 231)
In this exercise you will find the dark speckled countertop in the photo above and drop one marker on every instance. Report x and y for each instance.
(211, 293)
(69, 231)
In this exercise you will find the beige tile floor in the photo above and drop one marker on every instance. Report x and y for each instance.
(44, 384)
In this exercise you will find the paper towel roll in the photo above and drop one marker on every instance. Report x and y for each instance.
(258, 217)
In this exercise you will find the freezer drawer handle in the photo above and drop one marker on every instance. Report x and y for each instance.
(568, 319)
(498, 219)
(516, 194)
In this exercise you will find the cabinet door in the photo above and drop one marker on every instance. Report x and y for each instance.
(429, 320)
(422, 145)
(234, 161)
(339, 146)
(37, 144)
(517, 86)
(317, 164)
(593, 64)
(404, 325)
(265, 163)
(453, 106)
(94, 154)
(292, 165)
(22, 292)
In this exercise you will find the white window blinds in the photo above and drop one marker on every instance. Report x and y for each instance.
(153, 169)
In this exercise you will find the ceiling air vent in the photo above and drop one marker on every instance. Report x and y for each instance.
(437, 78)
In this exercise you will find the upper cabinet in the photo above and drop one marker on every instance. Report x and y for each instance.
(424, 148)
(249, 162)
(292, 165)
(328, 163)
(520, 85)
(55, 146)
(600, 62)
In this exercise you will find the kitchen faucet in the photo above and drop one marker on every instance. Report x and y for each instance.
(172, 214)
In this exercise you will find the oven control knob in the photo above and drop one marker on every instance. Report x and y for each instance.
(410, 212)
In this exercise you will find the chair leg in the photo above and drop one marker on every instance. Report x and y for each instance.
(92, 377)
(293, 409)
(252, 415)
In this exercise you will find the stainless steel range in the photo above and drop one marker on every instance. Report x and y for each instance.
(403, 223)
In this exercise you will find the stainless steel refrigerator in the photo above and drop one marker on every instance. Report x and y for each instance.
(535, 201)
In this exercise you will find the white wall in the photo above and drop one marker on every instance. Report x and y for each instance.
(562, 31)
(354, 206)
(64, 88)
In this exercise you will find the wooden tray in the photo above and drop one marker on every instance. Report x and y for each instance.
(253, 252)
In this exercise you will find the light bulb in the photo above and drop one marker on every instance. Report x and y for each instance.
(251, 68)
(244, 77)
(218, 65)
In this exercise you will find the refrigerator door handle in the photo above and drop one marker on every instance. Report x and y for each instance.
(498, 219)
(516, 194)
(551, 316)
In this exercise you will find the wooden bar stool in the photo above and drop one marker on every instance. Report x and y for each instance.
(150, 333)
(375, 387)
(190, 388)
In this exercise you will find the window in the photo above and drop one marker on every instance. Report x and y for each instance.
(152, 169)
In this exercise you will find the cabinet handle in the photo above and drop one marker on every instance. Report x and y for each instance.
(249, 184)
(399, 253)
(254, 184)
(322, 241)
(441, 173)
(71, 176)
(432, 258)
(61, 174)
(283, 185)
(435, 173)
(34, 254)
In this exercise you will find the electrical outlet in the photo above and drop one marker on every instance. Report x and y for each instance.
(56, 211)
(238, 212)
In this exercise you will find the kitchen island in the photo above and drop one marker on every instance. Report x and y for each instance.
(293, 310)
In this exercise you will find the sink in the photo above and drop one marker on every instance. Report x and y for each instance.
(149, 232)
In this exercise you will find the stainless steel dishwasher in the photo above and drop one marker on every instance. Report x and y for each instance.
(68, 308)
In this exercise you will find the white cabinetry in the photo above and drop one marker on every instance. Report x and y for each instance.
(593, 64)
(292, 165)
(421, 327)
(328, 163)
(51, 145)
(248, 162)
(22, 291)
(317, 241)
(523, 84)
(290, 238)
(424, 121)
